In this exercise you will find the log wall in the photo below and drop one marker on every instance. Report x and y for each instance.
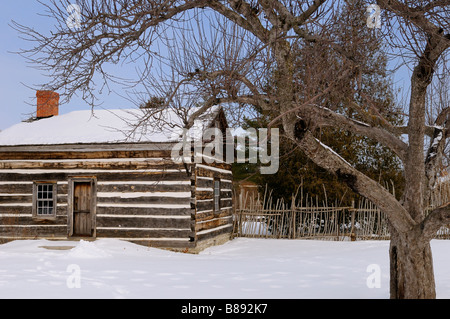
(211, 225)
(142, 196)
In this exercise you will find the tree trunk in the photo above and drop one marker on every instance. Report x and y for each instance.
(411, 267)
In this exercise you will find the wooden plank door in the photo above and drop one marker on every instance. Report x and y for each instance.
(82, 214)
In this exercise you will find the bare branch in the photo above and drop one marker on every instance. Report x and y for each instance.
(436, 219)
(413, 15)
(324, 116)
(358, 182)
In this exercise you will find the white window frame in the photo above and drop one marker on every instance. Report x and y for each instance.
(216, 195)
(48, 198)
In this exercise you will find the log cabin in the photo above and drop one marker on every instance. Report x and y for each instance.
(88, 175)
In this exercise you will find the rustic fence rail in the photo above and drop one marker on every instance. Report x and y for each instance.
(339, 223)
(262, 218)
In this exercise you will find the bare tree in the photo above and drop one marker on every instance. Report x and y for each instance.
(211, 52)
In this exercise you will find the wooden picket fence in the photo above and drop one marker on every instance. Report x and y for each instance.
(327, 223)
(308, 219)
(441, 196)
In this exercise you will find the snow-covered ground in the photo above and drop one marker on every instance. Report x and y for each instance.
(242, 268)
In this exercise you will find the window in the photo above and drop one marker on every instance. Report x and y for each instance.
(44, 200)
(216, 196)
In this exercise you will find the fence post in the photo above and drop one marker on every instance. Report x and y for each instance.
(379, 224)
(240, 223)
(293, 221)
(352, 234)
(337, 224)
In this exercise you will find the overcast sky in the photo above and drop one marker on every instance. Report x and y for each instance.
(17, 100)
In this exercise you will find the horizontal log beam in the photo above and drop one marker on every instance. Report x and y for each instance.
(98, 165)
(21, 210)
(48, 231)
(180, 245)
(143, 222)
(144, 233)
(143, 211)
(21, 220)
(92, 147)
(101, 176)
(211, 233)
(213, 223)
(212, 215)
(142, 188)
(145, 200)
(45, 154)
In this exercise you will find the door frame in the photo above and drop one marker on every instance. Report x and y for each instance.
(70, 223)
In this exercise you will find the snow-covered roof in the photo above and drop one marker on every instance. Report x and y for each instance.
(101, 126)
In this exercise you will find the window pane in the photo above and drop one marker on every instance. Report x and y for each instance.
(216, 196)
(45, 200)
(216, 187)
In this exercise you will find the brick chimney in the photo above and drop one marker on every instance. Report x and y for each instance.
(47, 104)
